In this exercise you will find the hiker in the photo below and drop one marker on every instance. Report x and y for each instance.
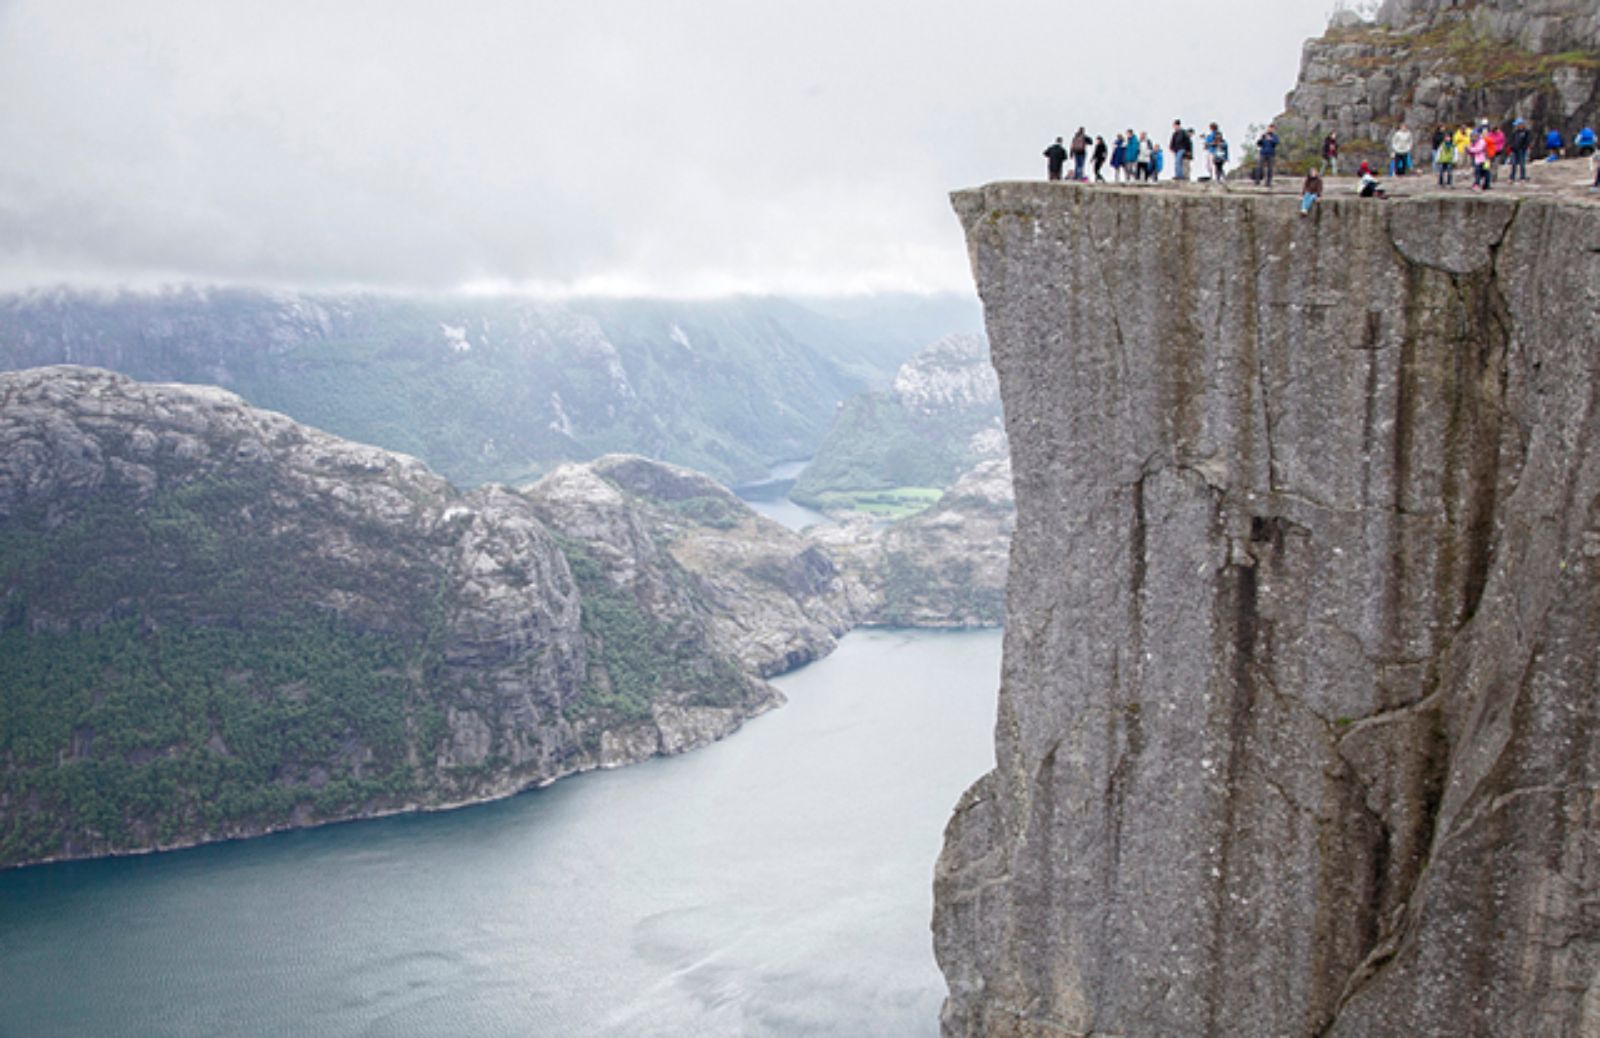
(1444, 160)
(1055, 158)
(1117, 152)
(1130, 155)
(1553, 145)
(1080, 151)
(1400, 149)
(1310, 191)
(1146, 158)
(1479, 151)
(1267, 153)
(1497, 150)
(1369, 183)
(1099, 159)
(1330, 151)
(1521, 141)
(1157, 161)
(1179, 145)
(1584, 141)
(1217, 149)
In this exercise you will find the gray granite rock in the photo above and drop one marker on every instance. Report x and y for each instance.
(1297, 731)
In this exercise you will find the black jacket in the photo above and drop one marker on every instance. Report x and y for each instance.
(1056, 154)
(1180, 143)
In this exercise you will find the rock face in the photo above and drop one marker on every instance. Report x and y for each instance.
(216, 622)
(767, 597)
(943, 567)
(1298, 725)
(1426, 62)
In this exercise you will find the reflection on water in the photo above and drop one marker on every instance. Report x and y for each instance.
(776, 883)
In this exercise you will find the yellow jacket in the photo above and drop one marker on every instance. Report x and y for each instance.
(1463, 138)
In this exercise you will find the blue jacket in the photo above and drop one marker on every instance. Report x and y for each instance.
(1130, 152)
(1268, 145)
(1552, 139)
(1585, 138)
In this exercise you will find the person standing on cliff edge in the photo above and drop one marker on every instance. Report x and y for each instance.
(1521, 142)
(1056, 157)
(1267, 152)
(1099, 159)
(1080, 151)
(1400, 149)
(1330, 152)
(1180, 148)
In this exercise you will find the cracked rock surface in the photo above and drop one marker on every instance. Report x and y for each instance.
(1297, 730)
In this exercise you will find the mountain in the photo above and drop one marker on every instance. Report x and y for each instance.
(216, 622)
(1298, 715)
(944, 566)
(498, 388)
(1423, 63)
(940, 417)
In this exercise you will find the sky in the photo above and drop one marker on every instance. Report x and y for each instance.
(619, 147)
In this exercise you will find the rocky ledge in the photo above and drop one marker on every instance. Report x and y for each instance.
(1297, 732)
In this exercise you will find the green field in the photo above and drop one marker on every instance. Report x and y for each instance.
(893, 503)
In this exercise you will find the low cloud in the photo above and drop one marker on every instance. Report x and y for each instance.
(654, 146)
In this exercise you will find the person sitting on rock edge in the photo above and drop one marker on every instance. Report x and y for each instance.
(1369, 183)
(1310, 191)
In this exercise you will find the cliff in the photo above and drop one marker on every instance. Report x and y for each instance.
(216, 622)
(1427, 62)
(1297, 731)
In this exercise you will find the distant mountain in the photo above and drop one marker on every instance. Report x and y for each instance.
(945, 566)
(940, 417)
(216, 622)
(505, 389)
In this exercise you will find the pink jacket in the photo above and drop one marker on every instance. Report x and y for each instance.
(1479, 149)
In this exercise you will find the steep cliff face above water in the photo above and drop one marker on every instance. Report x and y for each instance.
(1299, 731)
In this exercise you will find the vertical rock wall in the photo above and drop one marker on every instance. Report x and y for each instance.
(1298, 725)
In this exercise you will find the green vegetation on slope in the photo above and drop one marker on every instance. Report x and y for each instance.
(639, 656)
(135, 734)
(162, 675)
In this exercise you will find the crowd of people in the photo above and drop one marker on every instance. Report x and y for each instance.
(1486, 149)
(1137, 157)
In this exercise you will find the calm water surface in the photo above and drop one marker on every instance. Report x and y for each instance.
(776, 883)
(770, 497)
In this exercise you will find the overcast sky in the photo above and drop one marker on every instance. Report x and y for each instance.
(623, 146)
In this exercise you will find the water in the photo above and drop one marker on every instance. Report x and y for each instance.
(770, 497)
(776, 883)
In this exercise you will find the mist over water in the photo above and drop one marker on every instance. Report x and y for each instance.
(776, 883)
